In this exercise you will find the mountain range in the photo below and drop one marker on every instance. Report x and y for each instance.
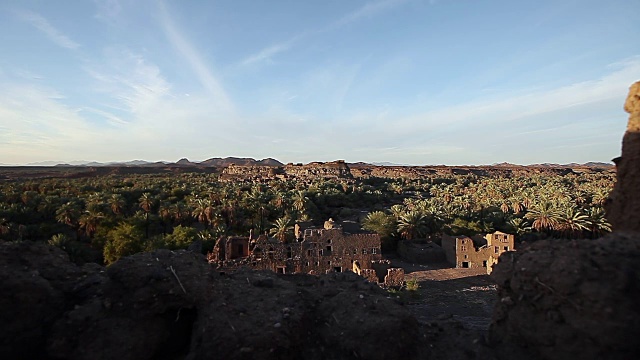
(184, 162)
(224, 162)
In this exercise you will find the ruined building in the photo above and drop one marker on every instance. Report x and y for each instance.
(476, 251)
(316, 251)
(316, 170)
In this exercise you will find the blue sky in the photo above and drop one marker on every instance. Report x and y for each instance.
(403, 81)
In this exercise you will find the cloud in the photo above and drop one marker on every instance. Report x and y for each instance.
(506, 107)
(368, 10)
(108, 11)
(35, 124)
(51, 32)
(269, 52)
(521, 126)
(130, 80)
(205, 76)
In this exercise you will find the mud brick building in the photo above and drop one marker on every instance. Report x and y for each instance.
(476, 251)
(316, 251)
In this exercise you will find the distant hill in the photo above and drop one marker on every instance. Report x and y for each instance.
(223, 162)
(591, 164)
(184, 162)
(383, 163)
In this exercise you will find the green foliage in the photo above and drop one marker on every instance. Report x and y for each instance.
(124, 240)
(74, 249)
(460, 226)
(384, 225)
(412, 224)
(412, 285)
(181, 237)
(61, 241)
(96, 208)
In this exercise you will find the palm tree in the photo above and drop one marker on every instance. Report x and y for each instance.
(5, 226)
(505, 207)
(117, 203)
(179, 212)
(280, 201)
(572, 222)
(146, 202)
(68, 213)
(48, 205)
(380, 223)
(203, 211)
(164, 211)
(281, 228)
(519, 226)
(517, 207)
(545, 216)
(300, 201)
(397, 211)
(94, 202)
(597, 223)
(412, 224)
(59, 240)
(89, 222)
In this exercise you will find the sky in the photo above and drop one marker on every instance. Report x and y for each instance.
(419, 82)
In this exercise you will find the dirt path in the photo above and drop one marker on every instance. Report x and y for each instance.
(466, 295)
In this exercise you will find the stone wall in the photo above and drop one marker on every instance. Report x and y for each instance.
(240, 172)
(465, 252)
(334, 169)
(394, 278)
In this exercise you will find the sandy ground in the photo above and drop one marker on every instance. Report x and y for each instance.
(466, 295)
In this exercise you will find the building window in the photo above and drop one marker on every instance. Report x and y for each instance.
(463, 247)
(506, 248)
(374, 251)
(364, 251)
(466, 256)
(497, 249)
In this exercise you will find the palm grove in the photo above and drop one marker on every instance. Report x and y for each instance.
(104, 218)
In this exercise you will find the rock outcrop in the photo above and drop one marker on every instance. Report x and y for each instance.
(623, 208)
(173, 305)
(334, 169)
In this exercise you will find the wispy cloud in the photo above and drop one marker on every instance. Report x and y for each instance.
(184, 47)
(129, 79)
(269, 52)
(507, 107)
(42, 24)
(35, 124)
(368, 10)
(108, 11)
